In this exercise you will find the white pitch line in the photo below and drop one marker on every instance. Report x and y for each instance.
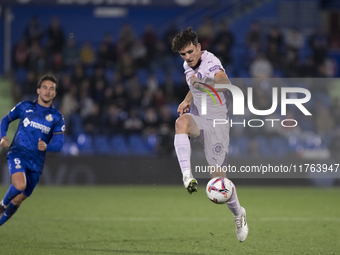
(306, 219)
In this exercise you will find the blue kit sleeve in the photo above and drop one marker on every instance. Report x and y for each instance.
(4, 126)
(58, 141)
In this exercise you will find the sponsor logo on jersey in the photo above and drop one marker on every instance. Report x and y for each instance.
(29, 110)
(199, 75)
(36, 125)
(49, 117)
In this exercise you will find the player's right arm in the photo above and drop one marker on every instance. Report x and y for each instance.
(12, 115)
(185, 105)
(4, 142)
(4, 127)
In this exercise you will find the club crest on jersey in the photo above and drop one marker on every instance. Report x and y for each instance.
(199, 75)
(49, 117)
(17, 166)
(218, 148)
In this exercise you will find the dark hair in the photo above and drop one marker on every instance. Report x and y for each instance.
(183, 39)
(48, 77)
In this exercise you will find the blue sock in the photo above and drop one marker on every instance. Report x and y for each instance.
(11, 193)
(11, 209)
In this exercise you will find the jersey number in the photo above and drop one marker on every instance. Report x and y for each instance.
(17, 161)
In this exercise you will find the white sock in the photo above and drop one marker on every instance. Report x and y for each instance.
(183, 152)
(233, 203)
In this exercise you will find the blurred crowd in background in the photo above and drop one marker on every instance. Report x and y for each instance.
(120, 95)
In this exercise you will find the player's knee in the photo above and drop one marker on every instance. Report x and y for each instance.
(20, 185)
(182, 124)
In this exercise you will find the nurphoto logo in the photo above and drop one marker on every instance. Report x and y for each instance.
(239, 103)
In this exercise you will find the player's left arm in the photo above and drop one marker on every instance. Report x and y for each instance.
(58, 141)
(58, 137)
(219, 78)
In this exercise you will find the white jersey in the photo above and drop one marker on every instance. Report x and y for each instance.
(216, 139)
(206, 70)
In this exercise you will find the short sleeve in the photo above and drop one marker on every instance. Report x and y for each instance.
(213, 66)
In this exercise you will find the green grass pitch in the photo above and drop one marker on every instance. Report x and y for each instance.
(159, 220)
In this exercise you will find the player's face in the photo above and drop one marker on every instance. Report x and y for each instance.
(47, 91)
(191, 54)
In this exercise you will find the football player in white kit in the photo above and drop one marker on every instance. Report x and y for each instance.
(203, 70)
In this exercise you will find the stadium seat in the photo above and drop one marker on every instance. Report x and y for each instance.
(68, 139)
(85, 144)
(89, 71)
(312, 141)
(173, 109)
(264, 146)
(137, 145)
(76, 126)
(294, 143)
(232, 150)
(324, 98)
(151, 142)
(279, 146)
(243, 73)
(160, 76)
(142, 75)
(178, 61)
(178, 77)
(20, 75)
(119, 145)
(242, 144)
(109, 74)
(102, 144)
(70, 149)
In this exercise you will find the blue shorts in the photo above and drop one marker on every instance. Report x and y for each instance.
(16, 163)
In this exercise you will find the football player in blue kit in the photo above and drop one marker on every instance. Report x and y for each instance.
(39, 122)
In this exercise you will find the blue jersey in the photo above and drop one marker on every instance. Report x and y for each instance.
(36, 122)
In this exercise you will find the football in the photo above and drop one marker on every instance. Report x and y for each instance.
(219, 190)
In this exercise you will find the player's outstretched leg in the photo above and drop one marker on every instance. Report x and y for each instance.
(11, 193)
(2, 208)
(239, 217)
(11, 209)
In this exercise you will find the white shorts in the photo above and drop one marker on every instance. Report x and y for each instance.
(216, 140)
